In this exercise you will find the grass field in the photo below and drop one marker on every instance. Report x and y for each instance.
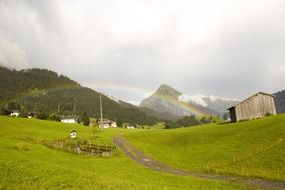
(25, 163)
(250, 148)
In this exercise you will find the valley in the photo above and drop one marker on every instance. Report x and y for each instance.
(25, 164)
(210, 149)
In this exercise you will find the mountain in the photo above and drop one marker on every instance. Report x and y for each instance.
(45, 91)
(168, 100)
(279, 99)
(167, 91)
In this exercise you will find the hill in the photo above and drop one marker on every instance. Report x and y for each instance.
(42, 90)
(279, 99)
(168, 100)
(25, 163)
(249, 148)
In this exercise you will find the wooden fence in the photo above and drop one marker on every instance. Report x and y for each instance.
(83, 147)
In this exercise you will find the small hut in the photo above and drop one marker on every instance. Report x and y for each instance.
(73, 134)
(255, 106)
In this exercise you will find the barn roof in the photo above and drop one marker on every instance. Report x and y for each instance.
(105, 121)
(266, 94)
(68, 117)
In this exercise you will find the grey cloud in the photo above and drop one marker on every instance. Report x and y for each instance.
(225, 48)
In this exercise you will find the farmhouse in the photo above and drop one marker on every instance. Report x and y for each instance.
(14, 113)
(32, 115)
(107, 123)
(130, 127)
(256, 106)
(68, 119)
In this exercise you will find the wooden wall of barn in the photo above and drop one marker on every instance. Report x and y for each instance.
(255, 107)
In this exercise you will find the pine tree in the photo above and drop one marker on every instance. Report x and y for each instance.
(85, 119)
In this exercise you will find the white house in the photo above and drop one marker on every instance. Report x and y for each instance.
(130, 127)
(107, 123)
(68, 119)
(32, 115)
(15, 113)
(114, 124)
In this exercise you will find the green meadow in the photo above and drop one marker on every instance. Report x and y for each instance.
(249, 148)
(25, 163)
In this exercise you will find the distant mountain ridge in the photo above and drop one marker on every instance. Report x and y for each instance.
(168, 100)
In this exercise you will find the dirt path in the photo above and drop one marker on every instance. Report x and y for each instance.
(138, 156)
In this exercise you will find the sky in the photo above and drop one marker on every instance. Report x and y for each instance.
(127, 48)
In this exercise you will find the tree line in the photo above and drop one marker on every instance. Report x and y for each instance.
(44, 91)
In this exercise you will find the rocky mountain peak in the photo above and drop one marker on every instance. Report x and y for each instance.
(167, 91)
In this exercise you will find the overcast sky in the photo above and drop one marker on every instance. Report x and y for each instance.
(127, 48)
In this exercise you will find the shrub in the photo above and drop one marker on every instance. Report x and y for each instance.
(42, 115)
(85, 119)
(54, 117)
(23, 114)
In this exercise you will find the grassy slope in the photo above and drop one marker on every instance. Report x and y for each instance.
(251, 148)
(29, 165)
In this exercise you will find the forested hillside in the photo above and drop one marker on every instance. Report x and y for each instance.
(42, 90)
(14, 83)
(279, 99)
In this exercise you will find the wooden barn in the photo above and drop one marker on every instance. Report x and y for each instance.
(256, 106)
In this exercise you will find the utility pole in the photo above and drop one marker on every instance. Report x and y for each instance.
(58, 108)
(101, 112)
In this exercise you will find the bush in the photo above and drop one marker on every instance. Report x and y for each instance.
(13, 106)
(206, 120)
(3, 111)
(23, 114)
(189, 121)
(54, 117)
(171, 125)
(42, 115)
(85, 119)
(119, 123)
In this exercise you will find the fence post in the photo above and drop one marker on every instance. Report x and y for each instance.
(78, 150)
(75, 146)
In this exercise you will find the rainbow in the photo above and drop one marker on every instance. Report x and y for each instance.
(182, 105)
(140, 90)
(147, 92)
